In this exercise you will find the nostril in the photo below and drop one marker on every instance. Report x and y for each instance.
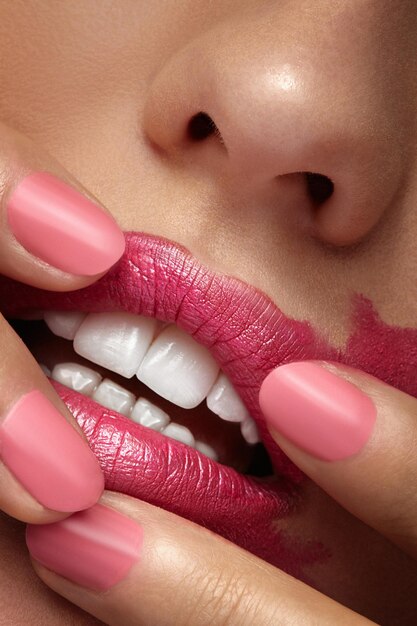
(202, 126)
(319, 187)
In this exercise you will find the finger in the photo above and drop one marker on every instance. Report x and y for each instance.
(130, 563)
(354, 436)
(47, 469)
(53, 234)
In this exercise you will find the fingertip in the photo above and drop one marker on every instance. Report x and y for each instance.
(59, 225)
(94, 549)
(48, 457)
(317, 410)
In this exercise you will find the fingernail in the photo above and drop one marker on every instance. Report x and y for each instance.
(94, 549)
(48, 457)
(316, 410)
(59, 225)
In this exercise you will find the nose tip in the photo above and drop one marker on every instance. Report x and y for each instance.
(278, 110)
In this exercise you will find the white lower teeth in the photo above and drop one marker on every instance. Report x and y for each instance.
(113, 396)
(207, 450)
(147, 414)
(77, 377)
(179, 433)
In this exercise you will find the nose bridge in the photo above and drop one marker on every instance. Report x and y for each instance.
(293, 91)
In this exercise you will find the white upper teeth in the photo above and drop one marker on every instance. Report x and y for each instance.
(64, 324)
(249, 431)
(178, 368)
(173, 365)
(224, 401)
(117, 341)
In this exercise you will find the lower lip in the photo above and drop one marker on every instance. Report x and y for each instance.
(146, 465)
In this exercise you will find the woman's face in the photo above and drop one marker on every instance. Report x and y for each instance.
(288, 88)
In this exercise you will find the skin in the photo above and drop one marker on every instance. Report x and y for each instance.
(112, 102)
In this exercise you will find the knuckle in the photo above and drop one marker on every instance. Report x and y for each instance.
(224, 599)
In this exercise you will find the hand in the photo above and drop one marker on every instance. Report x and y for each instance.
(53, 236)
(130, 563)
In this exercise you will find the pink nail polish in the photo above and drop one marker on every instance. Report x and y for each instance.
(62, 227)
(316, 410)
(94, 548)
(48, 457)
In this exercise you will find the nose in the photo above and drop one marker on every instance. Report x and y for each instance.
(294, 91)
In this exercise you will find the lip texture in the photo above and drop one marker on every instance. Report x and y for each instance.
(249, 336)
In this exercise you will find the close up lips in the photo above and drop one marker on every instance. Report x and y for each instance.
(196, 348)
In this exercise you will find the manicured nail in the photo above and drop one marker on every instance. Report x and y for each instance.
(94, 548)
(48, 457)
(316, 410)
(59, 225)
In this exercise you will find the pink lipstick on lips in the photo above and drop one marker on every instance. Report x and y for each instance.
(244, 331)
(248, 336)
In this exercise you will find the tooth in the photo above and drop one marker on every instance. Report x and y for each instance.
(207, 450)
(45, 369)
(117, 341)
(177, 368)
(147, 414)
(77, 377)
(113, 396)
(224, 401)
(64, 324)
(249, 431)
(179, 433)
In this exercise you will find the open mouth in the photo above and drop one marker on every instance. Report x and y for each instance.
(161, 362)
(223, 337)
(154, 374)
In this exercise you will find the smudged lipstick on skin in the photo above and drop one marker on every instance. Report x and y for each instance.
(248, 336)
